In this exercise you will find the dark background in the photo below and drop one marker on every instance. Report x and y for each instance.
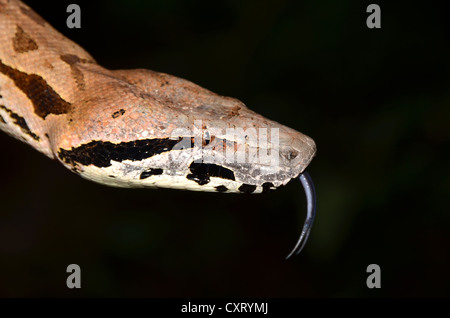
(376, 101)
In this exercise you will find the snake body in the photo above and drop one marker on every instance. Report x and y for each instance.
(131, 128)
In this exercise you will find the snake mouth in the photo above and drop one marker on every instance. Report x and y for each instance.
(310, 192)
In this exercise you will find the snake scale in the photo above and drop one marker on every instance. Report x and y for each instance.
(133, 128)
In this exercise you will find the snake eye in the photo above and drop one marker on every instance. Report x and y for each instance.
(207, 138)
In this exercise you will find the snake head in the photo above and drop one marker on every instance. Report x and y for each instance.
(159, 130)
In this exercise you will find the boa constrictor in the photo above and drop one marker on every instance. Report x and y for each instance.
(124, 128)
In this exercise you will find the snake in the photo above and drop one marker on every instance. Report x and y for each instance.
(138, 128)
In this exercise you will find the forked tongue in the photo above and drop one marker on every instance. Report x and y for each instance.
(310, 192)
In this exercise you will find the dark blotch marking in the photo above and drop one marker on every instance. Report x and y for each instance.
(247, 188)
(45, 100)
(118, 113)
(75, 170)
(201, 172)
(267, 187)
(151, 172)
(221, 188)
(100, 153)
(72, 60)
(21, 122)
(200, 179)
(22, 42)
(2, 120)
(234, 111)
(32, 15)
(211, 170)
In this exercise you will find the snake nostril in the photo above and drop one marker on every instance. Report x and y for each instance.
(291, 154)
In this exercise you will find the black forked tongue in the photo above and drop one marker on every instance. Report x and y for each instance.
(310, 192)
